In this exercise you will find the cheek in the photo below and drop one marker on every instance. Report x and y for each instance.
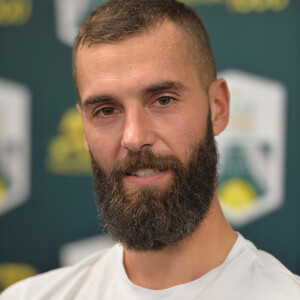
(103, 146)
(182, 136)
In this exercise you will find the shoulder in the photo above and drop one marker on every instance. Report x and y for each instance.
(264, 274)
(275, 272)
(267, 263)
(63, 279)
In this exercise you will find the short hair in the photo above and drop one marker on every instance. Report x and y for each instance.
(116, 20)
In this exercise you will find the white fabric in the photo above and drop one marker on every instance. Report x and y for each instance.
(247, 273)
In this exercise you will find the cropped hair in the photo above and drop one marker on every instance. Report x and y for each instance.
(116, 20)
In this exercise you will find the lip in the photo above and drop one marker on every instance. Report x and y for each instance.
(156, 178)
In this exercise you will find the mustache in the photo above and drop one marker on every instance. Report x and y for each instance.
(145, 160)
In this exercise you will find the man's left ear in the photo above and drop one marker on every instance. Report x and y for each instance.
(219, 99)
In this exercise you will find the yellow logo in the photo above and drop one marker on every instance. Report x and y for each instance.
(15, 12)
(244, 6)
(238, 195)
(3, 190)
(13, 272)
(238, 187)
(66, 152)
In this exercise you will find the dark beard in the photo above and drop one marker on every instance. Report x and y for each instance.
(152, 217)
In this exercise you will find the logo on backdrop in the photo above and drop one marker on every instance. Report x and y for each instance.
(15, 12)
(71, 13)
(251, 179)
(14, 144)
(244, 6)
(66, 152)
(69, 16)
(10, 273)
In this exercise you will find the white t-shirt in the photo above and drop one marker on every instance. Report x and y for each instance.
(246, 273)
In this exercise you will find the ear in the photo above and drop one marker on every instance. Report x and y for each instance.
(79, 108)
(219, 99)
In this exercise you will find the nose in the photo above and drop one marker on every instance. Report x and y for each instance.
(138, 130)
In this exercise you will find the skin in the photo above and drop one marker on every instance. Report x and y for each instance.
(145, 93)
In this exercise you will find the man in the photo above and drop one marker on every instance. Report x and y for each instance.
(151, 106)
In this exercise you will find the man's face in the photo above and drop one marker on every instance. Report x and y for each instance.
(141, 95)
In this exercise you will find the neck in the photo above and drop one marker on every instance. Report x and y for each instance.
(186, 261)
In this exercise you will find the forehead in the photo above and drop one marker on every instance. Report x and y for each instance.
(159, 54)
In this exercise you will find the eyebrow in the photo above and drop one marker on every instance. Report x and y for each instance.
(153, 89)
(93, 100)
(162, 86)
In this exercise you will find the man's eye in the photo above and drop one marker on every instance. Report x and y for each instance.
(164, 100)
(107, 111)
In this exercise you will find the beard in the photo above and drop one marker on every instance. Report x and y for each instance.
(153, 217)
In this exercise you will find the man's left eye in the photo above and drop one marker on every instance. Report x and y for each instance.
(164, 100)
